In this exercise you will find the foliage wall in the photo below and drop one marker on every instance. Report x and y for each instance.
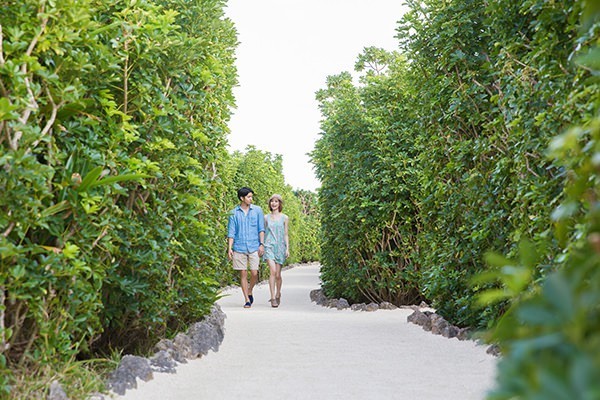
(364, 161)
(443, 147)
(550, 333)
(112, 146)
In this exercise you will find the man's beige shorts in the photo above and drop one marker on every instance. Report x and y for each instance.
(242, 261)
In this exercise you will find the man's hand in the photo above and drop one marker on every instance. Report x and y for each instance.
(230, 254)
(261, 250)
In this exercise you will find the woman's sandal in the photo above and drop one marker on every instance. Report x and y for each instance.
(278, 299)
(274, 303)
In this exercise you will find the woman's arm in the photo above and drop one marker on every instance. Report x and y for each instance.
(287, 237)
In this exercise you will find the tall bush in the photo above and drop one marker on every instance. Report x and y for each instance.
(466, 120)
(550, 334)
(364, 162)
(113, 130)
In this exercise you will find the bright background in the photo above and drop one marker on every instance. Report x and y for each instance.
(287, 49)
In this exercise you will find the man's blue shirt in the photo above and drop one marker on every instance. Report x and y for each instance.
(244, 228)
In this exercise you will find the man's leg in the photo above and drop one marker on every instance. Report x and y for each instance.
(253, 262)
(240, 262)
(244, 284)
(253, 280)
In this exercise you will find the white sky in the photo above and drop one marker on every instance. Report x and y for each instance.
(287, 49)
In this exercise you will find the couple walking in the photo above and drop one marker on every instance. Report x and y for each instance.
(251, 235)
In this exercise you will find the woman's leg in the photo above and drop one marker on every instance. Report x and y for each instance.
(272, 277)
(278, 281)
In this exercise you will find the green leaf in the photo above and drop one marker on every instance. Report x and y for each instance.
(71, 251)
(89, 179)
(492, 296)
(55, 209)
(6, 110)
(118, 178)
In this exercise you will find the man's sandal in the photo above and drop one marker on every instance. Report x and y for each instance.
(247, 305)
(251, 298)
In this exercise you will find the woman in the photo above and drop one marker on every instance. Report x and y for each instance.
(277, 246)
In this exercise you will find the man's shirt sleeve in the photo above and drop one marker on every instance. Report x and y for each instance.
(231, 226)
(261, 221)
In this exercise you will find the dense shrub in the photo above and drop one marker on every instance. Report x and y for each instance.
(438, 155)
(364, 161)
(308, 243)
(550, 335)
(112, 135)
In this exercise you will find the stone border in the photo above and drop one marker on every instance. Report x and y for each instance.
(428, 320)
(436, 324)
(319, 297)
(201, 337)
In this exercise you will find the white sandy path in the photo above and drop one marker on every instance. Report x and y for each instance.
(304, 351)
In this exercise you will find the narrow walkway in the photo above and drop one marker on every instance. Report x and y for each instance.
(304, 351)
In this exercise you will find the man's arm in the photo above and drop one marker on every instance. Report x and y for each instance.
(229, 248)
(261, 240)
(261, 233)
(230, 236)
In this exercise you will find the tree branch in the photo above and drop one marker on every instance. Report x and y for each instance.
(3, 344)
(1, 47)
(33, 105)
(50, 121)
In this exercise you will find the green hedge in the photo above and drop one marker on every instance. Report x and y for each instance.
(438, 154)
(113, 132)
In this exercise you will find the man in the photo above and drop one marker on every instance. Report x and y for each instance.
(245, 239)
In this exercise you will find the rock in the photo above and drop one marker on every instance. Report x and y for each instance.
(494, 350)
(317, 296)
(163, 362)
(182, 348)
(57, 392)
(438, 324)
(130, 368)
(358, 307)
(332, 303)
(424, 305)
(207, 334)
(372, 307)
(450, 331)
(463, 334)
(387, 306)
(420, 318)
(342, 303)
